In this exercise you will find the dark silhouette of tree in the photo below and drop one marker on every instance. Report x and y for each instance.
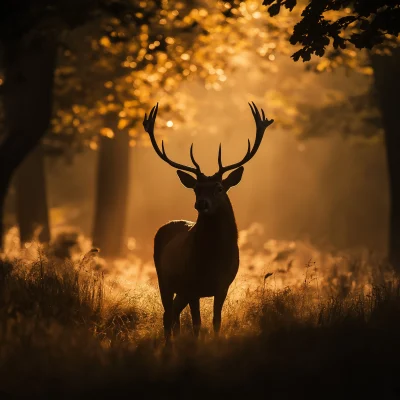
(27, 96)
(330, 28)
(31, 36)
(29, 39)
(364, 24)
(31, 198)
(387, 87)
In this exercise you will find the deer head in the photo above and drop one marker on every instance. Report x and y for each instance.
(210, 191)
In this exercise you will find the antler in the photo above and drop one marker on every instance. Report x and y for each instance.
(148, 124)
(262, 123)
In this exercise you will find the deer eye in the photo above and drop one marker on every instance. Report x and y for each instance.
(219, 189)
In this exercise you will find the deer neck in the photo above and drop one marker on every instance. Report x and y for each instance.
(218, 228)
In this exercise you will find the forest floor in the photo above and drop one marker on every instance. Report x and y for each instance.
(323, 325)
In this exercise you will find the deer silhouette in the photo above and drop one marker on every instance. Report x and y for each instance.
(201, 259)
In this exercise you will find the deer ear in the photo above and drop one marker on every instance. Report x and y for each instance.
(186, 179)
(233, 178)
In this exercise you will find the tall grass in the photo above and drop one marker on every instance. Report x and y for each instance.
(68, 331)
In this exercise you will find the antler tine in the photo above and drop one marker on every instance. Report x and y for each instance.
(148, 124)
(220, 157)
(261, 124)
(192, 158)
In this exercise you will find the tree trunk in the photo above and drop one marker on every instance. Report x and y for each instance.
(387, 84)
(112, 195)
(32, 210)
(27, 96)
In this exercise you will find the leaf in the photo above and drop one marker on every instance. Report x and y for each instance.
(266, 276)
(366, 70)
(105, 42)
(274, 9)
(123, 123)
(108, 132)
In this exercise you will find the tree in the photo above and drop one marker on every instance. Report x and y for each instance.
(364, 24)
(361, 25)
(387, 85)
(29, 32)
(29, 65)
(31, 198)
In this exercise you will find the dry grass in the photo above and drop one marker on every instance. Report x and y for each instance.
(70, 328)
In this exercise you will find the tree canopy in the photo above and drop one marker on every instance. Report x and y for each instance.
(106, 82)
(364, 24)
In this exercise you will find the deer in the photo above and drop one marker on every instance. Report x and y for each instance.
(200, 259)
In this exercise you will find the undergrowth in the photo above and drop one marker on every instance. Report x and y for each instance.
(66, 331)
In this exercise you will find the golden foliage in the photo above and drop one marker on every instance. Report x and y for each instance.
(179, 42)
(107, 132)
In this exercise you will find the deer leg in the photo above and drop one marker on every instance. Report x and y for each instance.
(196, 318)
(167, 301)
(179, 304)
(219, 300)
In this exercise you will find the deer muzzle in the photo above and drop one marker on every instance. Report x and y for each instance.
(202, 205)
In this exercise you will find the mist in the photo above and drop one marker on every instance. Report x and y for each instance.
(330, 190)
